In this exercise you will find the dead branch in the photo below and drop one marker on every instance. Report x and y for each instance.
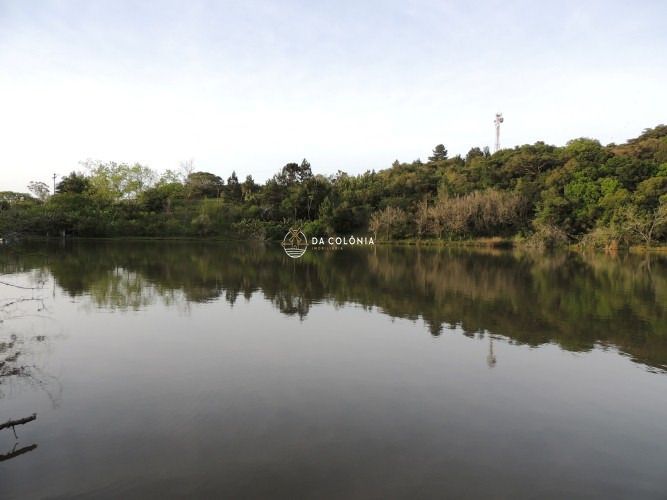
(19, 286)
(20, 421)
(15, 453)
(16, 301)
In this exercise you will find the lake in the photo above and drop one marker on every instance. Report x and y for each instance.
(162, 369)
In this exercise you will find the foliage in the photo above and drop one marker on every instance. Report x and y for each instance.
(115, 181)
(547, 236)
(39, 189)
(560, 194)
(199, 185)
(74, 183)
(439, 153)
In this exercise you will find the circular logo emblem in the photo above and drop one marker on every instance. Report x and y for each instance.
(295, 243)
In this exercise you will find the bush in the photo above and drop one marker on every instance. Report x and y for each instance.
(547, 236)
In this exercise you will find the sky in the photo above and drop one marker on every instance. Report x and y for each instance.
(350, 85)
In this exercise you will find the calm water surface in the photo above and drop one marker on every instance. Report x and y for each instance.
(172, 369)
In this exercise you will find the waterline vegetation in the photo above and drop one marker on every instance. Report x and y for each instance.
(543, 195)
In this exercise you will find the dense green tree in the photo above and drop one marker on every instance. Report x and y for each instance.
(200, 185)
(233, 190)
(474, 153)
(439, 153)
(73, 183)
(248, 189)
(119, 181)
(161, 197)
(293, 173)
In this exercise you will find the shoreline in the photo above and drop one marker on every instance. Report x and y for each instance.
(496, 242)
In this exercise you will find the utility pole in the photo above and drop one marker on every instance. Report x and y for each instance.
(499, 119)
(54, 183)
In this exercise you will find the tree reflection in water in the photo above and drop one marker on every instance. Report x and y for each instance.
(577, 301)
(21, 301)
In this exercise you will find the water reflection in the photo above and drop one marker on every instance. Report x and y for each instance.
(200, 394)
(18, 351)
(17, 452)
(576, 301)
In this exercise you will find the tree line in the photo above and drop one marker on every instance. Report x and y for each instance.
(581, 192)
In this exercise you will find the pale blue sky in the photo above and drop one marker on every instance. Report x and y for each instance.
(349, 85)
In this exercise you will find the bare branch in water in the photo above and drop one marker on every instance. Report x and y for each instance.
(15, 453)
(22, 287)
(16, 301)
(20, 421)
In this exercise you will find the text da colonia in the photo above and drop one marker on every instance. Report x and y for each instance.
(341, 240)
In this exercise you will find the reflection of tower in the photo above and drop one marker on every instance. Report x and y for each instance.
(499, 119)
(491, 358)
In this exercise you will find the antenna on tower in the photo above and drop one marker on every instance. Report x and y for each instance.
(499, 119)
